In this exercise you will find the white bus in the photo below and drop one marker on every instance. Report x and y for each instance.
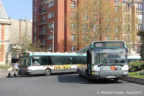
(34, 63)
(105, 59)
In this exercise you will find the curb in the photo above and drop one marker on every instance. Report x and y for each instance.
(133, 80)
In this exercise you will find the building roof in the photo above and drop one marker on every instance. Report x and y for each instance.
(3, 14)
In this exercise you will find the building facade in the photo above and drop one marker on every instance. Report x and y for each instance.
(20, 35)
(50, 27)
(13, 34)
(132, 24)
(54, 29)
(4, 34)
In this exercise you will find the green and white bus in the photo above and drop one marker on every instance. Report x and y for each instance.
(34, 63)
(105, 59)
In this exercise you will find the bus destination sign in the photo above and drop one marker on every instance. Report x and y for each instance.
(109, 44)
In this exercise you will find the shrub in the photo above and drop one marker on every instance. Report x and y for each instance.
(4, 66)
(140, 72)
(136, 66)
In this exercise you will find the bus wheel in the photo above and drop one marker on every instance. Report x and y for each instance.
(47, 72)
(116, 79)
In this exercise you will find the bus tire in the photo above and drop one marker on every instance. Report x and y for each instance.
(47, 72)
(80, 75)
(116, 79)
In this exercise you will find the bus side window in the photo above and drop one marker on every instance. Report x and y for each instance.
(66, 60)
(71, 60)
(46, 60)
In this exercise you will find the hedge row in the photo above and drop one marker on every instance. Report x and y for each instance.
(136, 66)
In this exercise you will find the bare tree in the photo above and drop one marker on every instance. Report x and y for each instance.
(96, 21)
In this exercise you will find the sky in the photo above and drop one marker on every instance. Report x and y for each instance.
(18, 9)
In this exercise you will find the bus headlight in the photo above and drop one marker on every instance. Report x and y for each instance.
(125, 72)
(125, 68)
(95, 73)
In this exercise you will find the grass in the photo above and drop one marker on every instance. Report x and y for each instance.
(134, 74)
(4, 66)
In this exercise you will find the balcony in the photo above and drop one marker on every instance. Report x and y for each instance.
(42, 22)
(41, 12)
(42, 2)
(42, 32)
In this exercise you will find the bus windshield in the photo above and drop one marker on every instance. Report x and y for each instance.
(110, 58)
(24, 61)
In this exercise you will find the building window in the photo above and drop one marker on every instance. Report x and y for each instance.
(85, 37)
(73, 16)
(128, 18)
(128, 38)
(34, 19)
(116, 38)
(116, 19)
(85, 17)
(73, 37)
(85, 26)
(50, 37)
(139, 39)
(116, 29)
(50, 25)
(72, 5)
(94, 28)
(73, 48)
(116, 1)
(51, 4)
(34, 1)
(43, 42)
(128, 28)
(139, 18)
(50, 15)
(34, 30)
(128, 7)
(35, 10)
(139, 6)
(107, 38)
(49, 48)
(73, 26)
(43, 19)
(116, 8)
(139, 27)
(34, 39)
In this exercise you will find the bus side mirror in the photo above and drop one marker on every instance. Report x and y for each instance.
(127, 50)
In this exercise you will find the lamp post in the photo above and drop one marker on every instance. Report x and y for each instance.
(53, 37)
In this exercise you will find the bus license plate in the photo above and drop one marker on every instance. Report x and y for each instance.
(111, 76)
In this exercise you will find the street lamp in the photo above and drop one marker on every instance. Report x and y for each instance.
(53, 36)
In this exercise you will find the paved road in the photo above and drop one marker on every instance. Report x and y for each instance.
(66, 85)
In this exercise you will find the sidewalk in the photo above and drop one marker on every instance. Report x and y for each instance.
(3, 73)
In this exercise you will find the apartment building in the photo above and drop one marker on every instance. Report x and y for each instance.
(54, 29)
(49, 26)
(132, 24)
(53, 26)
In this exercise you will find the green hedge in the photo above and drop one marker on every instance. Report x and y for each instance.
(4, 66)
(136, 66)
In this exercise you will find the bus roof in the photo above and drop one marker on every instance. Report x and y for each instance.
(102, 44)
(53, 54)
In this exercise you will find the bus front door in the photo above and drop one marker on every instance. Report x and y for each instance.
(89, 63)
